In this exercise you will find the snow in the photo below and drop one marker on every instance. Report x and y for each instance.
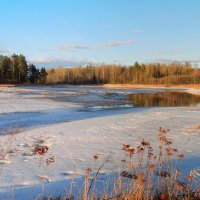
(74, 134)
(194, 91)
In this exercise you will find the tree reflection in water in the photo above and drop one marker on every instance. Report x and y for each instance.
(164, 99)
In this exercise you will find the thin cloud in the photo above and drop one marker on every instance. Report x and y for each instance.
(197, 60)
(3, 50)
(59, 61)
(137, 31)
(157, 53)
(113, 44)
(120, 43)
(74, 47)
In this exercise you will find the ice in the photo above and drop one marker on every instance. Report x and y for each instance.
(74, 136)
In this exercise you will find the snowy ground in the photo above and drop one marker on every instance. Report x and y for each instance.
(58, 117)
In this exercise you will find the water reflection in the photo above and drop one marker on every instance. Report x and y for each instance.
(164, 99)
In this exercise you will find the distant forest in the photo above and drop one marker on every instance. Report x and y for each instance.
(156, 73)
(14, 69)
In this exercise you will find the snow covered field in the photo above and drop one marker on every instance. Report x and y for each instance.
(60, 118)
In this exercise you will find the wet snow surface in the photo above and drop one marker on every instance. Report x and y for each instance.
(79, 122)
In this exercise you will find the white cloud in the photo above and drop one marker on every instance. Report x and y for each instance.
(112, 44)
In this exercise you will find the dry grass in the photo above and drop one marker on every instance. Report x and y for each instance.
(144, 173)
(193, 129)
(191, 86)
(133, 86)
(7, 85)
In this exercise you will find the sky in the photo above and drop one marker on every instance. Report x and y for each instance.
(79, 32)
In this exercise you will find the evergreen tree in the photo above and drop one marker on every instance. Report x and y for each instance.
(32, 73)
(43, 75)
(23, 69)
(5, 69)
(15, 67)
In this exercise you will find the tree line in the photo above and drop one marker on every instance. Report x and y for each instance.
(15, 69)
(154, 73)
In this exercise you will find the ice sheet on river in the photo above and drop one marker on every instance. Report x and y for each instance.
(74, 136)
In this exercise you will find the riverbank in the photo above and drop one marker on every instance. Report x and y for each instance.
(122, 86)
(189, 86)
(7, 85)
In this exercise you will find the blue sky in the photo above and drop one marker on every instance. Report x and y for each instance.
(79, 32)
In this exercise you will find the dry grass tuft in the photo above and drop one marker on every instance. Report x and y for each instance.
(143, 174)
(147, 175)
(194, 129)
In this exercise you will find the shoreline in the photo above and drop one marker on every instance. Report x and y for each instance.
(7, 85)
(189, 86)
(109, 85)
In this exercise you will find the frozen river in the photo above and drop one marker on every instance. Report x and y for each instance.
(79, 122)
